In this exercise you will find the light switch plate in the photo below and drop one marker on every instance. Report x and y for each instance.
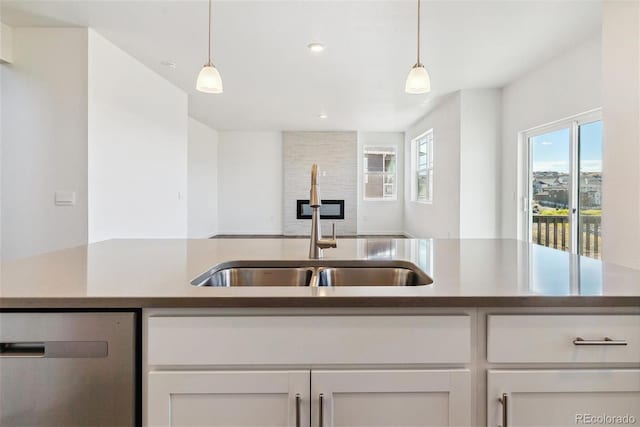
(65, 198)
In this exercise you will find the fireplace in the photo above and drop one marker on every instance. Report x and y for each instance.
(330, 209)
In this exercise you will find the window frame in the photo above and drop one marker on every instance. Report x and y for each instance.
(525, 194)
(428, 170)
(384, 149)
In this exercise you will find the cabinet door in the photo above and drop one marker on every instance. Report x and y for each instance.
(394, 398)
(562, 397)
(229, 399)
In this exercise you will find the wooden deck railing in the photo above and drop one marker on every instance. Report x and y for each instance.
(591, 231)
(553, 231)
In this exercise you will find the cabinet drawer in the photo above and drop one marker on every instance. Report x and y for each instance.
(290, 340)
(552, 338)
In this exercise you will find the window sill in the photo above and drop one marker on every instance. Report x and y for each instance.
(423, 202)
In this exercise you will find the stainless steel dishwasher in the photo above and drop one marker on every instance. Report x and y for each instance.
(68, 369)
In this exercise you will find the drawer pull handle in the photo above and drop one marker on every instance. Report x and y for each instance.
(505, 409)
(321, 409)
(298, 401)
(605, 341)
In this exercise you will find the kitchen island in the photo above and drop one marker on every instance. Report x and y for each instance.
(508, 333)
(466, 273)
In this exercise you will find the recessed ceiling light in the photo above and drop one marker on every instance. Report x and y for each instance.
(316, 47)
(169, 64)
(322, 116)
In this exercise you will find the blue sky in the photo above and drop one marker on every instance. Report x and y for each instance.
(551, 150)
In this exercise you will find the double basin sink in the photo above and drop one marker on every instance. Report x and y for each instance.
(314, 273)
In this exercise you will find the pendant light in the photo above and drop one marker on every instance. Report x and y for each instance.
(418, 80)
(209, 80)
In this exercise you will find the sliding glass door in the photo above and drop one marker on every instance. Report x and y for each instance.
(565, 185)
(590, 189)
(551, 188)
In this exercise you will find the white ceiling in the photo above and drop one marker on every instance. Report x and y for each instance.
(273, 82)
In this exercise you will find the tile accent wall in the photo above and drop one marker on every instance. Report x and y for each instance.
(336, 155)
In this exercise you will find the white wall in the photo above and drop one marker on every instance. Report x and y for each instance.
(137, 148)
(250, 182)
(440, 219)
(44, 141)
(202, 167)
(567, 85)
(381, 217)
(2, 78)
(480, 138)
(6, 43)
(1, 132)
(466, 141)
(621, 133)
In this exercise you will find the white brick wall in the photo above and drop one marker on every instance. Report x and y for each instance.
(336, 155)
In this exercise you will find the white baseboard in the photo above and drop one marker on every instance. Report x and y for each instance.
(380, 233)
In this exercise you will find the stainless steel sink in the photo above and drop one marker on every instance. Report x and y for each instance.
(258, 276)
(371, 276)
(314, 273)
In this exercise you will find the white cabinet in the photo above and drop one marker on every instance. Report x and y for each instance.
(403, 370)
(566, 397)
(380, 398)
(390, 398)
(192, 381)
(228, 399)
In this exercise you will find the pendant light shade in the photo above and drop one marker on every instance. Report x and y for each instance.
(209, 79)
(418, 80)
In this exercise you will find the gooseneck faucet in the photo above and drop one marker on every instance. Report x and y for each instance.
(317, 243)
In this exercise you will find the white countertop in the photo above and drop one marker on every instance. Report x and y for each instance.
(156, 273)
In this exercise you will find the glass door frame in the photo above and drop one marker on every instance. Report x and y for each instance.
(572, 123)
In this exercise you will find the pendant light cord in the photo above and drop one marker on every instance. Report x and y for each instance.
(209, 63)
(418, 32)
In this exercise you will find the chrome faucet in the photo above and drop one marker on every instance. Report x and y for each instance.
(317, 243)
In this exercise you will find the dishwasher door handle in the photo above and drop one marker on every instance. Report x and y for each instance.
(21, 349)
(54, 349)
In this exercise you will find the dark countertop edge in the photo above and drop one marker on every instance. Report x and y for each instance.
(321, 302)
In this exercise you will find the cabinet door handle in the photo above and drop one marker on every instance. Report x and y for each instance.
(298, 401)
(605, 341)
(505, 409)
(321, 417)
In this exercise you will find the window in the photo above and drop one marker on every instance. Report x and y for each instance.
(380, 173)
(422, 167)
